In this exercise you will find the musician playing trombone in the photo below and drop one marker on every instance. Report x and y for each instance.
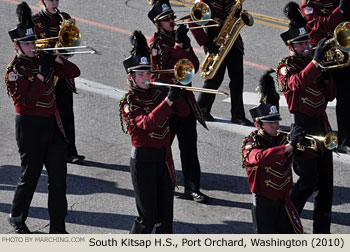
(39, 132)
(167, 47)
(267, 157)
(47, 25)
(307, 93)
(146, 109)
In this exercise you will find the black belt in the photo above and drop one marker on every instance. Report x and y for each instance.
(147, 153)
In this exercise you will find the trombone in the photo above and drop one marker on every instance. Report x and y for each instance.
(184, 73)
(329, 141)
(338, 55)
(68, 40)
(200, 14)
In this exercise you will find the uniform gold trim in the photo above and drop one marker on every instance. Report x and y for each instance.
(268, 182)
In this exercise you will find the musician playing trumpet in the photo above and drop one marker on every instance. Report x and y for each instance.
(167, 47)
(47, 25)
(267, 157)
(307, 92)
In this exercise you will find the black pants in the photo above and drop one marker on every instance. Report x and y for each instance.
(41, 143)
(270, 216)
(234, 64)
(341, 78)
(185, 128)
(154, 191)
(315, 176)
(64, 99)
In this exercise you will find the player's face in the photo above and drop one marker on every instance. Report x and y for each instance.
(302, 49)
(51, 4)
(168, 23)
(141, 77)
(27, 49)
(271, 128)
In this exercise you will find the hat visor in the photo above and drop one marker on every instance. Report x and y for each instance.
(164, 14)
(140, 68)
(271, 118)
(27, 39)
(300, 39)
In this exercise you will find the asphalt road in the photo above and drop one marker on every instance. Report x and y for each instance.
(100, 193)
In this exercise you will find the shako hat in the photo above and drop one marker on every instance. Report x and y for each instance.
(159, 10)
(297, 31)
(265, 112)
(24, 31)
(139, 60)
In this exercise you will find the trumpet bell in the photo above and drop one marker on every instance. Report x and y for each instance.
(200, 13)
(184, 71)
(330, 141)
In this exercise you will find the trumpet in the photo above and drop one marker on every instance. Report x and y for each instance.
(329, 141)
(68, 40)
(338, 55)
(200, 15)
(184, 73)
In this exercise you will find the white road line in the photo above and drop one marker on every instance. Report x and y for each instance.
(220, 123)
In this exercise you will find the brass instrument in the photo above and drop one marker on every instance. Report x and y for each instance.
(225, 40)
(330, 141)
(184, 73)
(200, 15)
(338, 55)
(68, 40)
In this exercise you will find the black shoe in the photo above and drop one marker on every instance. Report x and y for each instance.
(20, 228)
(344, 147)
(196, 196)
(75, 159)
(244, 122)
(208, 117)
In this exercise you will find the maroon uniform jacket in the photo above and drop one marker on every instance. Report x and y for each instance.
(322, 16)
(164, 55)
(53, 29)
(219, 12)
(298, 79)
(30, 95)
(146, 114)
(269, 171)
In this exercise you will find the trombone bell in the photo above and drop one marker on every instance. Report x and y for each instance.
(200, 15)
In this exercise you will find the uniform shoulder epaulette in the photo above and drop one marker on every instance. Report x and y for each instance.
(250, 142)
(282, 72)
(11, 75)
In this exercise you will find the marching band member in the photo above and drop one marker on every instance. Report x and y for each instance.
(267, 157)
(47, 25)
(307, 101)
(146, 110)
(323, 16)
(39, 131)
(233, 62)
(167, 47)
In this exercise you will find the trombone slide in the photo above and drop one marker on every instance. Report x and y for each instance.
(194, 89)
